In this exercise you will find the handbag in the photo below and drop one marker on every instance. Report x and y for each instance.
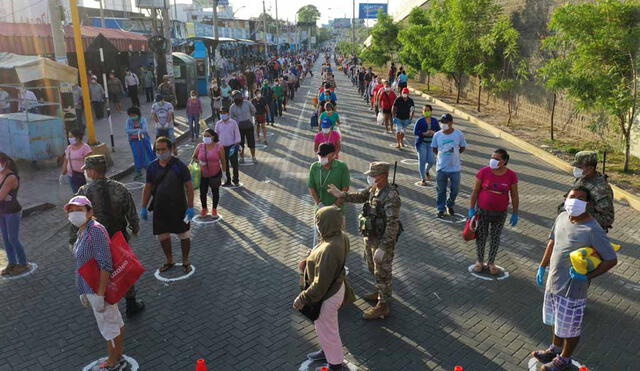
(312, 310)
(469, 232)
(127, 269)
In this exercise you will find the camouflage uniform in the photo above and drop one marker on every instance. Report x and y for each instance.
(602, 206)
(386, 199)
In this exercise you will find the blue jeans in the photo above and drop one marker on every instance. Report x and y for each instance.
(426, 158)
(10, 226)
(442, 179)
(194, 125)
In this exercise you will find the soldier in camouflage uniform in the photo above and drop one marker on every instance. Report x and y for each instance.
(113, 207)
(584, 169)
(380, 225)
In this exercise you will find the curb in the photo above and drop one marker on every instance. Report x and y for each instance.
(619, 194)
(27, 211)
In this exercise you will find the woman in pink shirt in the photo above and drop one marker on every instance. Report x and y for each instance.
(194, 111)
(210, 154)
(494, 184)
(74, 161)
(327, 134)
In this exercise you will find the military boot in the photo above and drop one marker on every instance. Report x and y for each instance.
(380, 311)
(371, 297)
(134, 307)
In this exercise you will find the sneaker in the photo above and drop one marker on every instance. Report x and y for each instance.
(317, 356)
(214, 213)
(204, 212)
(237, 184)
(557, 364)
(380, 311)
(441, 214)
(7, 270)
(340, 367)
(546, 355)
(450, 211)
(227, 184)
(253, 159)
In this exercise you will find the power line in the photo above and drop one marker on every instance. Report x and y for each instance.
(21, 9)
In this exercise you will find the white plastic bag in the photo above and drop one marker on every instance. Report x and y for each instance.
(380, 118)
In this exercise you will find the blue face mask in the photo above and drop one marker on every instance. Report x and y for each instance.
(224, 116)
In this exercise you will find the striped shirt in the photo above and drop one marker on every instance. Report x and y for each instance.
(92, 243)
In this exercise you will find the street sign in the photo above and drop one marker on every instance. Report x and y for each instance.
(151, 4)
(370, 11)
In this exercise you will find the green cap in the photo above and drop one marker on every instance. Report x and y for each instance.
(95, 161)
(377, 168)
(585, 158)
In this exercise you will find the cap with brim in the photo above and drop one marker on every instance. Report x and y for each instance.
(377, 168)
(585, 158)
(91, 162)
(326, 148)
(405, 90)
(78, 201)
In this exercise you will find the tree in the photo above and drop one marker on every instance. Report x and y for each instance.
(343, 48)
(417, 50)
(384, 41)
(598, 46)
(308, 13)
(502, 67)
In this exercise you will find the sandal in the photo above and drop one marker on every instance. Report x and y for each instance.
(494, 270)
(478, 267)
(165, 267)
(186, 268)
(423, 183)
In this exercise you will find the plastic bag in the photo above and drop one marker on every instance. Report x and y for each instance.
(380, 118)
(586, 259)
(194, 169)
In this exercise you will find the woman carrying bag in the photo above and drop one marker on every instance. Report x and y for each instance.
(210, 155)
(326, 289)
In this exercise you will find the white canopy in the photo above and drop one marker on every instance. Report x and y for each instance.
(32, 67)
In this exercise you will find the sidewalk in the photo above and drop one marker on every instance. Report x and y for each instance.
(40, 188)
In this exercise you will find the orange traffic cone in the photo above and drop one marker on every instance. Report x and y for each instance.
(201, 365)
(458, 368)
(584, 368)
(324, 368)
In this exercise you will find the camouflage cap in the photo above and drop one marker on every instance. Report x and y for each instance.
(95, 161)
(585, 158)
(377, 168)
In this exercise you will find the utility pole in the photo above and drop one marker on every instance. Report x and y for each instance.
(101, 14)
(216, 38)
(57, 32)
(353, 29)
(166, 31)
(264, 19)
(277, 31)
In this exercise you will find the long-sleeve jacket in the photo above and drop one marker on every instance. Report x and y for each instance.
(137, 130)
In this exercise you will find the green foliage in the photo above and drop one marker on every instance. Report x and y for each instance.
(344, 48)
(414, 40)
(308, 13)
(324, 34)
(596, 48)
(384, 41)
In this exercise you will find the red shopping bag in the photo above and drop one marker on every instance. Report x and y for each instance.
(469, 232)
(127, 269)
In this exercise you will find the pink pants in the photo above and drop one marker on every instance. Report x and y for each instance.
(327, 328)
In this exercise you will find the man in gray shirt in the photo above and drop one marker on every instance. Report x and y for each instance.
(565, 296)
(242, 111)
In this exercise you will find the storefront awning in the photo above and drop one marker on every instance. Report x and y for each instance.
(30, 68)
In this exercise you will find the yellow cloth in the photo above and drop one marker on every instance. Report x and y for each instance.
(586, 259)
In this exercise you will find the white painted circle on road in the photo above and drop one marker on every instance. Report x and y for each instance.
(261, 145)
(429, 184)
(533, 364)
(488, 276)
(32, 268)
(208, 219)
(455, 219)
(134, 185)
(233, 186)
(133, 364)
(178, 265)
(410, 161)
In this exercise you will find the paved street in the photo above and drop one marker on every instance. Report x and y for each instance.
(235, 311)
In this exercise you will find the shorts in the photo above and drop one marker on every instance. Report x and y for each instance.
(386, 110)
(248, 134)
(402, 85)
(564, 314)
(110, 321)
(401, 125)
(181, 236)
(261, 118)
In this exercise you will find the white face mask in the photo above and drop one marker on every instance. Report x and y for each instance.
(577, 172)
(575, 207)
(73, 140)
(446, 127)
(387, 89)
(326, 130)
(77, 218)
(405, 95)
(494, 164)
(371, 180)
(207, 140)
(323, 160)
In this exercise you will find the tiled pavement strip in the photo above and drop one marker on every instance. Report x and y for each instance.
(235, 311)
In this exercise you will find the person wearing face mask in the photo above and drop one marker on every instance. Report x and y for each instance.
(169, 182)
(331, 114)
(278, 97)
(74, 157)
(162, 113)
(402, 112)
(114, 208)
(194, 111)
(424, 130)
(328, 170)
(92, 243)
(229, 134)
(327, 134)
(225, 91)
(262, 111)
(565, 296)
(211, 156)
(490, 200)
(374, 88)
(137, 130)
(380, 226)
(242, 111)
(447, 144)
(385, 99)
(585, 174)
(324, 280)
(267, 94)
(116, 91)
(216, 99)
(10, 215)
(403, 78)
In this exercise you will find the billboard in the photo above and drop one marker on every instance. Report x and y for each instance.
(341, 22)
(370, 11)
